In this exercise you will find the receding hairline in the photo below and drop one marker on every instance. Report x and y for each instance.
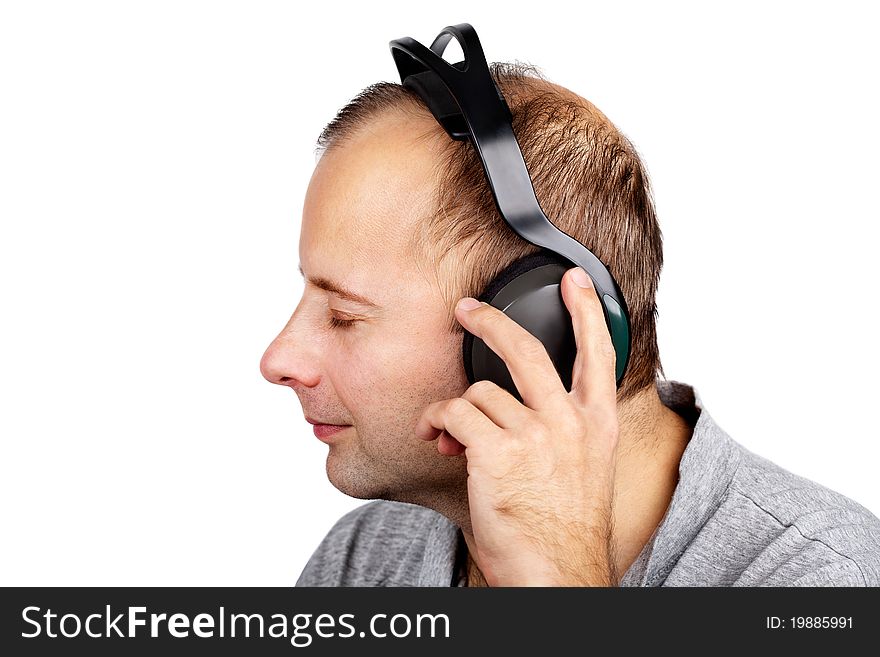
(520, 78)
(381, 104)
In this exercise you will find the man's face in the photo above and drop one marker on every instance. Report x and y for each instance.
(377, 375)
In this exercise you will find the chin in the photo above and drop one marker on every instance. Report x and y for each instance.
(354, 481)
(412, 478)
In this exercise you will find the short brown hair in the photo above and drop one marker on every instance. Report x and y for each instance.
(588, 179)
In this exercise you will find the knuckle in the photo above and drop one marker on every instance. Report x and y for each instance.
(489, 316)
(591, 422)
(575, 424)
(532, 428)
(531, 349)
(481, 389)
(458, 406)
(541, 433)
(608, 425)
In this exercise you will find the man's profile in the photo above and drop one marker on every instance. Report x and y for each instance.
(398, 225)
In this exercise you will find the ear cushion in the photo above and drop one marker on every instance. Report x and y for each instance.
(505, 276)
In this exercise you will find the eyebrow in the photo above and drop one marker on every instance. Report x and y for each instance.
(337, 289)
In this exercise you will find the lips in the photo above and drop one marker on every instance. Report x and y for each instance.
(325, 432)
(322, 423)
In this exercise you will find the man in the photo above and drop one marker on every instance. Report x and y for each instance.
(596, 486)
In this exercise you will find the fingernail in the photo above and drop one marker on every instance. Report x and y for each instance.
(468, 303)
(580, 277)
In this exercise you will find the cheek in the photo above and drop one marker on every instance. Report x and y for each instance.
(398, 374)
(424, 369)
(352, 367)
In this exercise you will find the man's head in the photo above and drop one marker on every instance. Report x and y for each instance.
(398, 212)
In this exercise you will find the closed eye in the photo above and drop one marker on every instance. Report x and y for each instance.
(335, 322)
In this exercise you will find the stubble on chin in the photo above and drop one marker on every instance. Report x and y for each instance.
(426, 478)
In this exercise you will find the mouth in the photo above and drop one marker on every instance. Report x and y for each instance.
(324, 431)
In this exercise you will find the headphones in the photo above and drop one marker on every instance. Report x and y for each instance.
(465, 100)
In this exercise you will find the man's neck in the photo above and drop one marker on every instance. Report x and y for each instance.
(652, 440)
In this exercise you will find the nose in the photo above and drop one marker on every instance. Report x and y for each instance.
(289, 360)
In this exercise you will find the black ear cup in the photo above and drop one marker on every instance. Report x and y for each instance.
(528, 291)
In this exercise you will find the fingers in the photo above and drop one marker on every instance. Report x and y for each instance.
(459, 418)
(497, 404)
(486, 410)
(594, 379)
(499, 407)
(526, 359)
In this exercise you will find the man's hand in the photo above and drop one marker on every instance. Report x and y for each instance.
(540, 473)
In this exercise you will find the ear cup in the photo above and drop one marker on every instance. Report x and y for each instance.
(528, 291)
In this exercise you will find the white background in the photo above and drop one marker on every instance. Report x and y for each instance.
(153, 162)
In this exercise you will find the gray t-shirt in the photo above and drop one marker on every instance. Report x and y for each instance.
(735, 519)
